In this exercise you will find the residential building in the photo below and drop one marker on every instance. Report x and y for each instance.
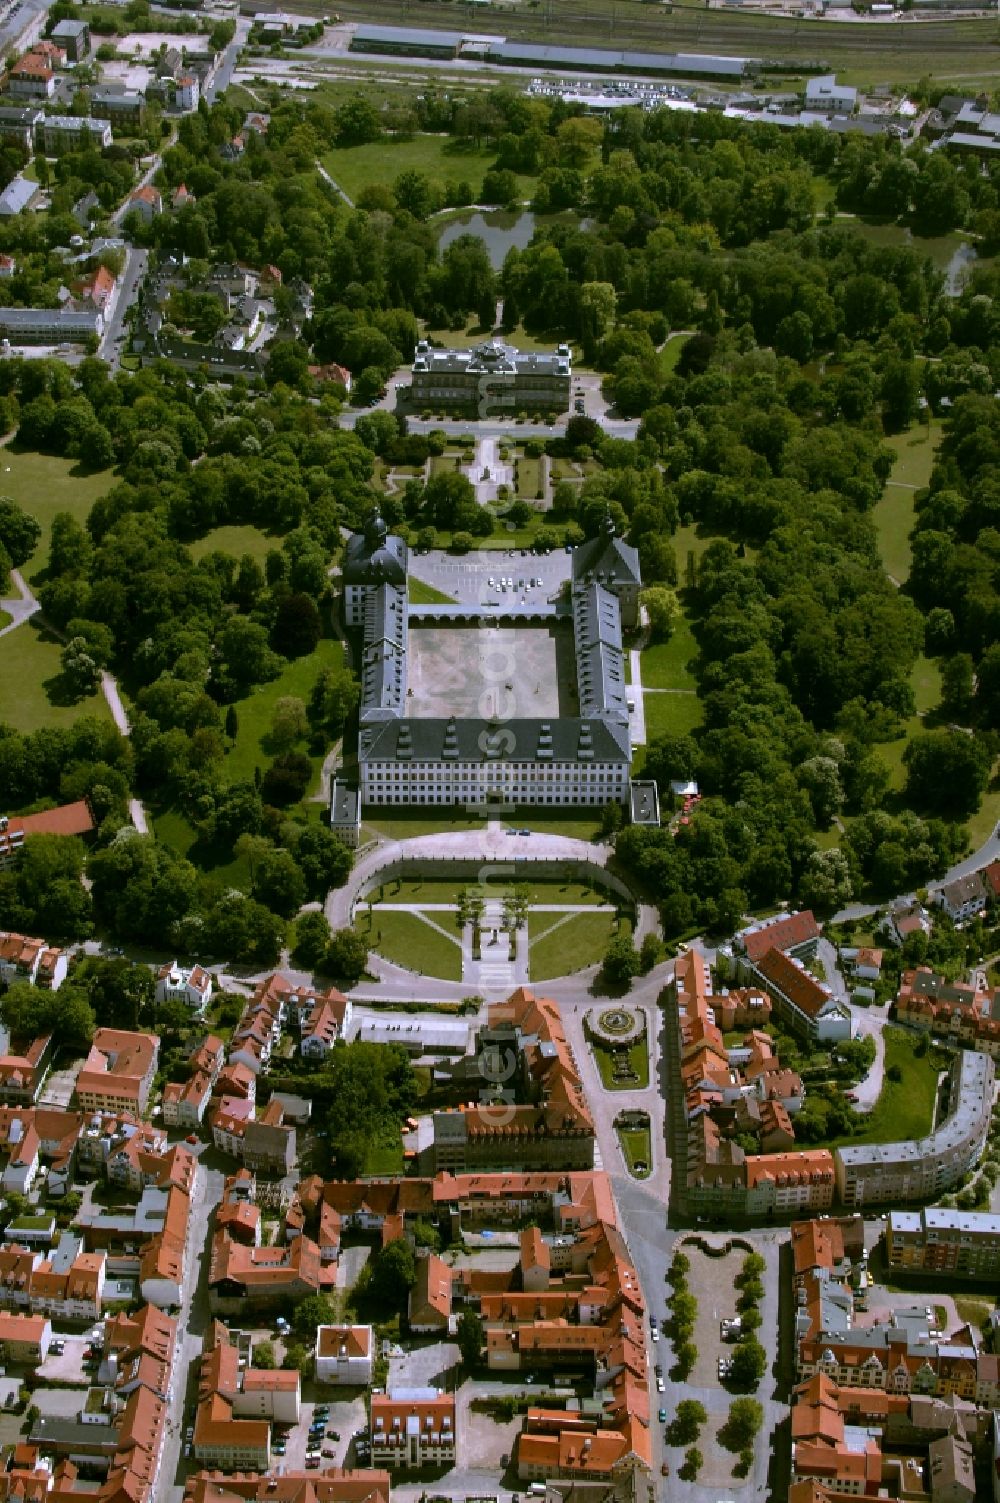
(72, 133)
(329, 1485)
(241, 1275)
(491, 379)
(24, 1338)
(926, 1168)
(430, 1297)
(413, 1428)
(220, 1439)
(30, 960)
(269, 1142)
(74, 39)
(117, 1074)
(17, 124)
(18, 196)
(121, 106)
(187, 92)
(944, 1242)
(147, 202)
(803, 1002)
(68, 1284)
(50, 325)
(191, 985)
(325, 1026)
(960, 1013)
(964, 898)
(344, 1355)
(32, 77)
(22, 1072)
(238, 1214)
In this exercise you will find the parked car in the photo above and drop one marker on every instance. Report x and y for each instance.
(662, 1416)
(659, 1385)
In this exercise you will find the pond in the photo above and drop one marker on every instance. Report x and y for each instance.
(502, 230)
(950, 253)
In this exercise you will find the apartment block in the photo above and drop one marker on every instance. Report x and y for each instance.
(118, 1073)
(925, 1168)
(413, 1428)
(943, 1241)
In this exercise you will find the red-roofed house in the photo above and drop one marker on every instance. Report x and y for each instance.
(118, 1073)
(147, 202)
(344, 1355)
(412, 1428)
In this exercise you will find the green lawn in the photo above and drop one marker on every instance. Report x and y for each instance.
(638, 1057)
(578, 824)
(580, 941)
(425, 594)
(234, 540)
(893, 517)
(385, 1158)
(32, 693)
(44, 484)
(894, 512)
(443, 891)
(671, 715)
(671, 353)
(5, 619)
(253, 747)
(529, 478)
(925, 678)
(637, 1149)
(915, 452)
(664, 665)
(406, 940)
(355, 167)
(904, 1108)
(406, 824)
(174, 829)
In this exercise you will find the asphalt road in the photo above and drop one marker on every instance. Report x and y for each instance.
(224, 73)
(192, 1320)
(112, 341)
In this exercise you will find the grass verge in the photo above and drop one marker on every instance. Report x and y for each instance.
(638, 1058)
(406, 940)
(637, 1151)
(561, 948)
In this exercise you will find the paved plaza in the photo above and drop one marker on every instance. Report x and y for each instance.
(482, 671)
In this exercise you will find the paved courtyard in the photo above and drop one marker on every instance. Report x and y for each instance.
(510, 672)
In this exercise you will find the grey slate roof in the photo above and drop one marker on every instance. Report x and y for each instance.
(600, 663)
(607, 559)
(383, 669)
(475, 740)
(374, 557)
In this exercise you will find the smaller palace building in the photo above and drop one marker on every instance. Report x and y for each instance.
(491, 378)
